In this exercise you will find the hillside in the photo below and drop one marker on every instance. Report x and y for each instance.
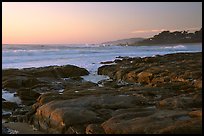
(124, 41)
(167, 37)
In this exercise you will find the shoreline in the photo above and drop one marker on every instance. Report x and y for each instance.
(166, 44)
(139, 89)
(100, 62)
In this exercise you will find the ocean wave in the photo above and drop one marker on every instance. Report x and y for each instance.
(174, 47)
(27, 50)
(88, 56)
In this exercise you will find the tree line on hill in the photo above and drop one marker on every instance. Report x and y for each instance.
(167, 37)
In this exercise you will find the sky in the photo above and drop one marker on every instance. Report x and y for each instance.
(94, 22)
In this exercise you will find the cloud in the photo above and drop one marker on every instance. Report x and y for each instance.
(147, 31)
(157, 30)
(140, 31)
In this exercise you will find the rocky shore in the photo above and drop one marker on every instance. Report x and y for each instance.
(151, 95)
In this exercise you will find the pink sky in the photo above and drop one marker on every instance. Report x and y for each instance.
(55, 23)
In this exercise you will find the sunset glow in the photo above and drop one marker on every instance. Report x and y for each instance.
(52, 23)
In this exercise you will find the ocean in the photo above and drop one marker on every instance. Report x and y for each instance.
(86, 56)
(82, 55)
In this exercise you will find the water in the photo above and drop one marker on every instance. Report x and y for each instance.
(86, 56)
(8, 96)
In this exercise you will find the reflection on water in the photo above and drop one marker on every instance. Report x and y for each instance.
(8, 96)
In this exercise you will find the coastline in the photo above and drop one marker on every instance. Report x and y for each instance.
(176, 79)
(162, 44)
(19, 57)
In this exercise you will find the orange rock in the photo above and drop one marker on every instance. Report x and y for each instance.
(144, 77)
(197, 113)
(198, 83)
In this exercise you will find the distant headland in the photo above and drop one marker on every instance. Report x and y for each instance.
(167, 37)
(164, 37)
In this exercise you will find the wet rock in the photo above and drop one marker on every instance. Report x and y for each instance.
(157, 80)
(75, 130)
(29, 77)
(107, 70)
(60, 118)
(172, 82)
(176, 102)
(192, 126)
(12, 72)
(47, 97)
(198, 83)
(22, 111)
(59, 71)
(161, 94)
(158, 69)
(197, 113)
(132, 76)
(61, 114)
(145, 77)
(27, 95)
(94, 129)
(139, 111)
(15, 82)
(197, 100)
(9, 105)
(165, 121)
